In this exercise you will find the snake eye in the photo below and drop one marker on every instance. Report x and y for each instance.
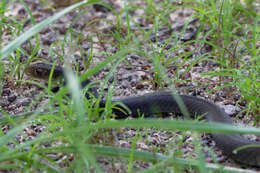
(38, 71)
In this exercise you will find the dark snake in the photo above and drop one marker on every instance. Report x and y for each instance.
(164, 102)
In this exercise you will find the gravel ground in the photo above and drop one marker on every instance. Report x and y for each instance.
(136, 77)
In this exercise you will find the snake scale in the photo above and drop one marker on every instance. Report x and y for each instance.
(164, 102)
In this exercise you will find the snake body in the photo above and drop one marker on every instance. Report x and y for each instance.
(164, 102)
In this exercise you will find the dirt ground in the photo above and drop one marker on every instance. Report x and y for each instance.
(135, 76)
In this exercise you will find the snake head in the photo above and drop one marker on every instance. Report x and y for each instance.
(41, 70)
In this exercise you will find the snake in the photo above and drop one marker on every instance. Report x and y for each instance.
(165, 102)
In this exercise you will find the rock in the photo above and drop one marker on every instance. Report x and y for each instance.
(230, 109)
(111, 78)
(24, 102)
(48, 38)
(12, 98)
(6, 92)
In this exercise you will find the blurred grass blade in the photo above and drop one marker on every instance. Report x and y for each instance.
(152, 157)
(178, 125)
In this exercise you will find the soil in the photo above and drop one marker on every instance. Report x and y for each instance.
(134, 76)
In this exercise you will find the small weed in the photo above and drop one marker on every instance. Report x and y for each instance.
(70, 140)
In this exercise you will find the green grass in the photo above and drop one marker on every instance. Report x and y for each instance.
(233, 33)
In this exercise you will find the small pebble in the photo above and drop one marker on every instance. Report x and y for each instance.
(12, 98)
(24, 102)
(6, 92)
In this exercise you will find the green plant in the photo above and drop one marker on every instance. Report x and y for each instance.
(71, 125)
